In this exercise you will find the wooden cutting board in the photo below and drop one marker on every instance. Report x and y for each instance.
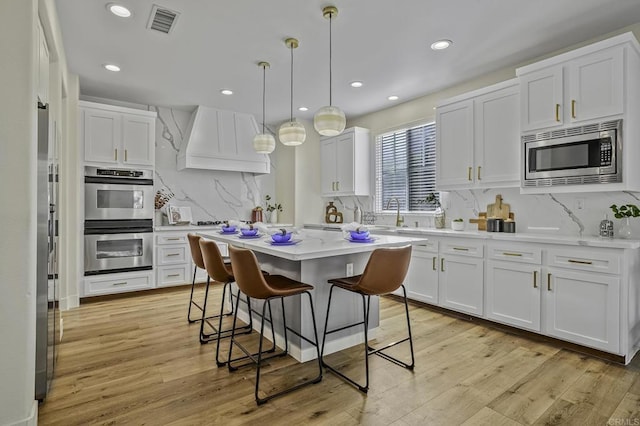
(498, 209)
(481, 221)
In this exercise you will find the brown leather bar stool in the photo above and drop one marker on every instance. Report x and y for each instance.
(221, 272)
(384, 273)
(196, 255)
(258, 286)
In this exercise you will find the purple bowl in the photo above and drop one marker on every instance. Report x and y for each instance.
(249, 232)
(281, 238)
(359, 235)
(231, 228)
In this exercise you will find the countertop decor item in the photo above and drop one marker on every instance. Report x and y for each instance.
(457, 224)
(162, 198)
(264, 143)
(509, 226)
(329, 120)
(272, 209)
(499, 209)
(332, 215)
(625, 212)
(292, 133)
(606, 227)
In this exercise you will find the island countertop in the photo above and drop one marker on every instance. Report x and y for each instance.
(313, 244)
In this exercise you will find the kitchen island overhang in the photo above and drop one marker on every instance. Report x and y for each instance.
(319, 256)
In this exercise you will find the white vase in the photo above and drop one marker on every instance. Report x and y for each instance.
(625, 230)
(273, 218)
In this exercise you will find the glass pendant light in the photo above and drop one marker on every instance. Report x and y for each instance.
(264, 143)
(329, 120)
(292, 133)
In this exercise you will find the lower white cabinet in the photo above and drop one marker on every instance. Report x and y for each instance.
(422, 277)
(461, 283)
(99, 285)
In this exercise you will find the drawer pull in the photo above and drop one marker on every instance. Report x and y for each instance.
(122, 283)
(434, 263)
(174, 239)
(573, 108)
(442, 264)
(511, 254)
(548, 282)
(535, 279)
(558, 113)
(125, 155)
(469, 169)
(581, 262)
(173, 254)
(461, 248)
(173, 275)
(115, 154)
(479, 167)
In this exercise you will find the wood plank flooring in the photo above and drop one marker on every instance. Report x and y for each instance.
(136, 361)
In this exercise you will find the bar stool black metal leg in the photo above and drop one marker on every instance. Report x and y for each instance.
(365, 312)
(203, 337)
(191, 302)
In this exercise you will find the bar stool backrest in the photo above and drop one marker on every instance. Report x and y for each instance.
(248, 275)
(385, 271)
(213, 262)
(196, 254)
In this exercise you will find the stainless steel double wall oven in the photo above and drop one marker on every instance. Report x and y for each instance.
(118, 227)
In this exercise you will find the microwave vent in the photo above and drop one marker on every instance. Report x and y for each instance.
(573, 131)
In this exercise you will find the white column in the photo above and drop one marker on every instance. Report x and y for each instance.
(18, 170)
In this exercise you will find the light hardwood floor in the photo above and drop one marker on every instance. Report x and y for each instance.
(136, 360)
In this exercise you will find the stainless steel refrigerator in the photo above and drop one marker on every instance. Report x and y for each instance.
(47, 313)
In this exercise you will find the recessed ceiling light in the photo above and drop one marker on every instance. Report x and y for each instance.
(393, 98)
(119, 10)
(226, 92)
(441, 44)
(112, 67)
(303, 109)
(356, 84)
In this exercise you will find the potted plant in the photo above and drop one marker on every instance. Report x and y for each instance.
(625, 212)
(457, 224)
(272, 209)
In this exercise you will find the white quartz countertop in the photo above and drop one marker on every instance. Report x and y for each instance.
(523, 237)
(313, 244)
(191, 227)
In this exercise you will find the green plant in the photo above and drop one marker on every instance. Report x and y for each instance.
(431, 198)
(628, 210)
(272, 207)
(458, 220)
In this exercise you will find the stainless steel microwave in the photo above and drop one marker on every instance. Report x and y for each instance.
(574, 156)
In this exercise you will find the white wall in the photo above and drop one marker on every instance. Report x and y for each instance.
(309, 204)
(18, 169)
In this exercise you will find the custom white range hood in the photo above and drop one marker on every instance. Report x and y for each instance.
(221, 140)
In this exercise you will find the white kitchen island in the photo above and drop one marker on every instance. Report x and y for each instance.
(319, 256)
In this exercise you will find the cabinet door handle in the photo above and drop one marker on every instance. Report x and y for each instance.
(535, 279)
(338, 186)
(125, 155)
(461, 248)
(548, 282)
(115, 151)
(173, 254)
(122, 283)
(442, 264)
(434, 263)
(469, 169)
(558, 113)
(511, 254)
(333, 186)
(581, 262)
(173, 275)
(573, 108)
(479, 167)
(173, 239)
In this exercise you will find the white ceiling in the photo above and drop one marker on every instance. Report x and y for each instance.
(217, 44)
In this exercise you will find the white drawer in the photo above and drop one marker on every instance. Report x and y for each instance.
(430, 246)
(462, 247)
(171, 255)
(515, 253)
(164, 239)
(606, 261)
(173, 275)
(109, 284)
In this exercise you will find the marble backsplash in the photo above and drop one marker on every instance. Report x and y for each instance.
(565, 214)
(211, 194)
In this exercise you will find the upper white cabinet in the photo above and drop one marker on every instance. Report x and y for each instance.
(587, 84)
(478, 139)
(43, 66)
(117, 136)
(346, 163)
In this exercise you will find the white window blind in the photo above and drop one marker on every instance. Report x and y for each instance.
(406, 168)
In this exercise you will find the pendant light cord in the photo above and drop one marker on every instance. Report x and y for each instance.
(291, 83)
(264, 91)
(330, 68)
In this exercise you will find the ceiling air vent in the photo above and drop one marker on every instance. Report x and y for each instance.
(162, 19)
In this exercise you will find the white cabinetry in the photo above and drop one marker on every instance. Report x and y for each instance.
(117, 136)
(99, 285)
(43, 66)
(513, 284)
(422, 277)
(582, 292)
(346, 163)
(461, 284)
(478, 139)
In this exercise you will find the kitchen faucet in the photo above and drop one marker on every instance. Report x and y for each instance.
(399, 220)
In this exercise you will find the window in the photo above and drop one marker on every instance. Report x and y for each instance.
(406, 168)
